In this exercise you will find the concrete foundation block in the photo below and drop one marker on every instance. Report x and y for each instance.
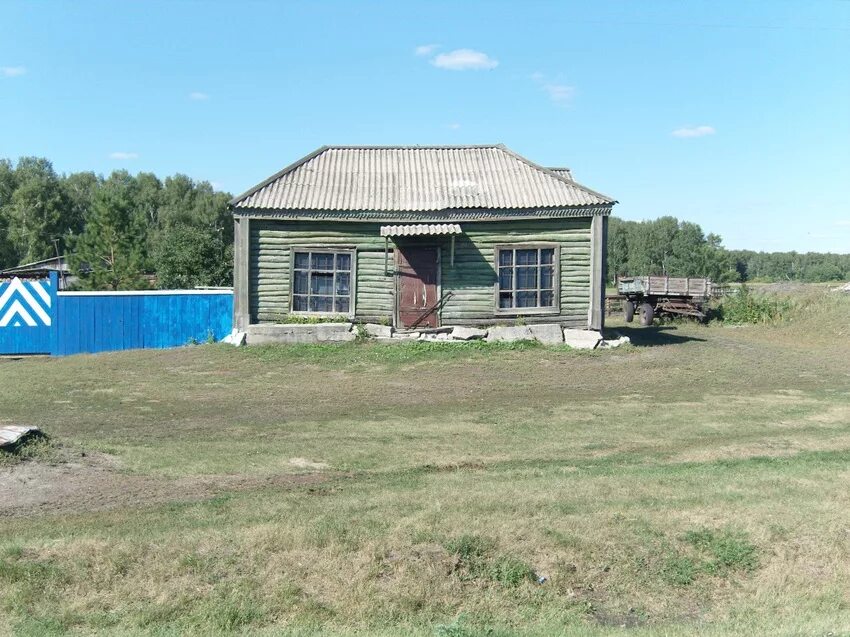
(615, 342)
(509, 334)
(374, 330)
(582, 339)
(406, 336)
(548, 333)
(297, 333)
(236, 338)
(460, 333)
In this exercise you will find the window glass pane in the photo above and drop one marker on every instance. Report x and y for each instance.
(526, 278)
(322, 261)
(526, 299)
(315, 284)
(547, 274)
(302, 260)
(526, 257)
(322, 283)
(299, 285)
(321, 303)
(506, 276)
(343, 280)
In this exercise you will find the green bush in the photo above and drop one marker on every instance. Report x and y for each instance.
(743, 307)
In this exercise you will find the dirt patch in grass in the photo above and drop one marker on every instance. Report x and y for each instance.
(93, 482)
(304, 463)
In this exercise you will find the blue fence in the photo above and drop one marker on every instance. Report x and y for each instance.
(77, 322)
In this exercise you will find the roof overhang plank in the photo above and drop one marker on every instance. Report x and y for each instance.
(421, 229)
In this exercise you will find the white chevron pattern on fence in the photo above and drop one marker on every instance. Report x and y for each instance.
(17, 303)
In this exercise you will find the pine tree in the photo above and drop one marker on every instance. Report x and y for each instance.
(110, 252)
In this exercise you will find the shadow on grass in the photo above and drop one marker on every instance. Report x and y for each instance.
(656, 335)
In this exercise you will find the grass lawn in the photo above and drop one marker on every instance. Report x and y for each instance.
(696, 482)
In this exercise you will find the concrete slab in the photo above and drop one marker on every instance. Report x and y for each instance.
(509, 334)
(460, 333)
(582, 339)
(374, 330)
(548, 333)
(298, 333)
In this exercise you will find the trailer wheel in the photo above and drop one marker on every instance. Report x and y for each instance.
(629, 310)
(646, 314)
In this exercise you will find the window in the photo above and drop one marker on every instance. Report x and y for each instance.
(527, 278)
(321, 282)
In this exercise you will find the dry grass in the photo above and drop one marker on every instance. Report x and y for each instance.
(693, 483)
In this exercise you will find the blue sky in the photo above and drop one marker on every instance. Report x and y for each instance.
(735, 115)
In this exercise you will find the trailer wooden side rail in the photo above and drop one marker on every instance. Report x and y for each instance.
(651, 296)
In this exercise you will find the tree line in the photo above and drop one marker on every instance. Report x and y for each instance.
(120, 232)
(681, 248)
(132, 231)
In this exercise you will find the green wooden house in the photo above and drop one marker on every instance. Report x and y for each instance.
(417, 236)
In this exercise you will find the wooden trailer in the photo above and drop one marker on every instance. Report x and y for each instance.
(650, 296)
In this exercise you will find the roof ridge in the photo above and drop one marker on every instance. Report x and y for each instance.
(327, 147)
(412, 146)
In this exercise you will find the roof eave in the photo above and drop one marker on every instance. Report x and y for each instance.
(233, 202)
(435, 216)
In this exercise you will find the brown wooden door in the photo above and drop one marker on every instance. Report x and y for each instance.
(417, 286)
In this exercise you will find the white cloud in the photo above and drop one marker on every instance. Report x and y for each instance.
(693, 131)
(557, 91)
(12, 71)
(454, 126)
(560, 93)
(464, 60)
(426, 49)
(198, 95)
(843, 223)
(123, 155)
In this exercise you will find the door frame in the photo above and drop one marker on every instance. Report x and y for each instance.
(396, 288)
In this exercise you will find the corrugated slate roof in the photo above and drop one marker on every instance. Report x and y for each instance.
(416, 178)
(563, 172)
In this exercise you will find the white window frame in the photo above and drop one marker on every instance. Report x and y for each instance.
(352, 252)
(555, 308)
